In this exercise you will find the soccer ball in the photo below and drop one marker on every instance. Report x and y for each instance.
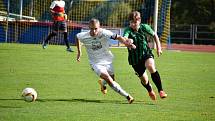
(29, 94)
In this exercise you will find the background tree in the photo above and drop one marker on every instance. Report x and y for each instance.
(193, 12)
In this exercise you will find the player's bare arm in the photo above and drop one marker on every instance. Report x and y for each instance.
(54, 13)
(78, 44)
(126, 41)
(158, 45)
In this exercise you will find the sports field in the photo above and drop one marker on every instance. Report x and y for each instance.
(68, 90)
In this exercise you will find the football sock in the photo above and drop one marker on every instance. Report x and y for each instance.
(147, 86)
(156, 79)
(50, 36)
(66, 39)
(104, 82)
(117, 88)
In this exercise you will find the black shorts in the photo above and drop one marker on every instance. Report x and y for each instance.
(60, 26)
(140, 68)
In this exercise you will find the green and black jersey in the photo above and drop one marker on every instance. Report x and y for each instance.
(140, 40)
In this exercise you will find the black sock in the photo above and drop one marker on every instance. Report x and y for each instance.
(50, 36)
(156, 79)
(66, 40)
(147, 86)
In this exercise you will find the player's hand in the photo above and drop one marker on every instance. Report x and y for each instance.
(65, 17)
(132, 46)
(129, 43)
(159, 52)
(78, 57)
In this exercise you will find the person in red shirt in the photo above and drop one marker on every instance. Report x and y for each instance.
(59, 23)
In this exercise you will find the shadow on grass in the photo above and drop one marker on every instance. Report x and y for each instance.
(9, 106)
(86, 101)
(92, 101)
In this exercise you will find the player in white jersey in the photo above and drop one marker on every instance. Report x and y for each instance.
(100, 57)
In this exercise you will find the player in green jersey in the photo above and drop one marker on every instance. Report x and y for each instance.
(142, 57)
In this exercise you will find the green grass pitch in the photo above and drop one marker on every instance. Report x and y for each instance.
(68, 90)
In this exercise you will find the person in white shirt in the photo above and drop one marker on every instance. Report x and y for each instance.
(57, 9)
(100, 57)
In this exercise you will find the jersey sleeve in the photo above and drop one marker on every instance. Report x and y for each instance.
(109, 34)
(126, 32)
(60, 6)
(148, 29)
(79, 35)
(82, 36)
(52, 5)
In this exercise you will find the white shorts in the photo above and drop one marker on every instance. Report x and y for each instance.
(103, 68)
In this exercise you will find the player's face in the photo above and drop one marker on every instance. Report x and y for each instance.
(94, 29)
(135, 24)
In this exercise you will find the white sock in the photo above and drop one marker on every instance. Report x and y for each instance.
(117, 88)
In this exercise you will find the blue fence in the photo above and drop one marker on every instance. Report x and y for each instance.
(33, 32)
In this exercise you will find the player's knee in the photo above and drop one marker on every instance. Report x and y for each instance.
(152, 69)
(107, 78)
(65, 33)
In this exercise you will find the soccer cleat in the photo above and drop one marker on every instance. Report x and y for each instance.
(103, 88)
(130, 99)
(44, 45)
(163, 94)
(152, 95)
(69, 50)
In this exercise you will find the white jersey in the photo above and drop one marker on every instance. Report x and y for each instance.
(57, 3)
(97, 47)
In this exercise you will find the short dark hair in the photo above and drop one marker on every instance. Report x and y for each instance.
(132, 16)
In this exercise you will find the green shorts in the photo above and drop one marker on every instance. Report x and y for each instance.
(140, 68)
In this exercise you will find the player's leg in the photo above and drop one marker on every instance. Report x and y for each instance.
(63, 28)
(103, 84)
(145, 82)
(68, 48)
(150, 65)
(52, 34)
(116, 87)
(110, 71)
(102, 71)
(45, 42)
(141, 73)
